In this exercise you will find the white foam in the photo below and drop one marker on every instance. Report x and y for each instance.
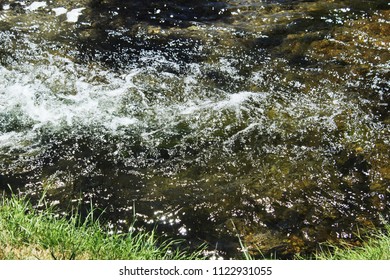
(118, 122)
(64, 94)
(8, 139)
(235, 99)
(59, 11)
(73, 15)
(65, 99)
(35, 6)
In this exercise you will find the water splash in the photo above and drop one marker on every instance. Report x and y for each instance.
(260, 121)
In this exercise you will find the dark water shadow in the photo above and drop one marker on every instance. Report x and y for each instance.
(121, 31)
(164, 13)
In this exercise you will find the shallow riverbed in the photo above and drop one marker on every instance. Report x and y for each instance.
(263, 119)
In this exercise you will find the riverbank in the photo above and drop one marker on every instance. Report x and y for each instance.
(26, 233)
(377, 247)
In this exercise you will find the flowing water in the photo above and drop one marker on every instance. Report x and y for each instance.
(267, 119)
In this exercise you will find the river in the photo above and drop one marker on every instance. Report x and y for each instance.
(211, 121)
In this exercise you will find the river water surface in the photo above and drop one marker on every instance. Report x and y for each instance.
(267, 120)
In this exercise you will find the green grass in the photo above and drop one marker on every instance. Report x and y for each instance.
(29, 234)
(376, 247)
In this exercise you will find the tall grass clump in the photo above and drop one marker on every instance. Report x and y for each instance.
(26, 233)
(376, 247)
